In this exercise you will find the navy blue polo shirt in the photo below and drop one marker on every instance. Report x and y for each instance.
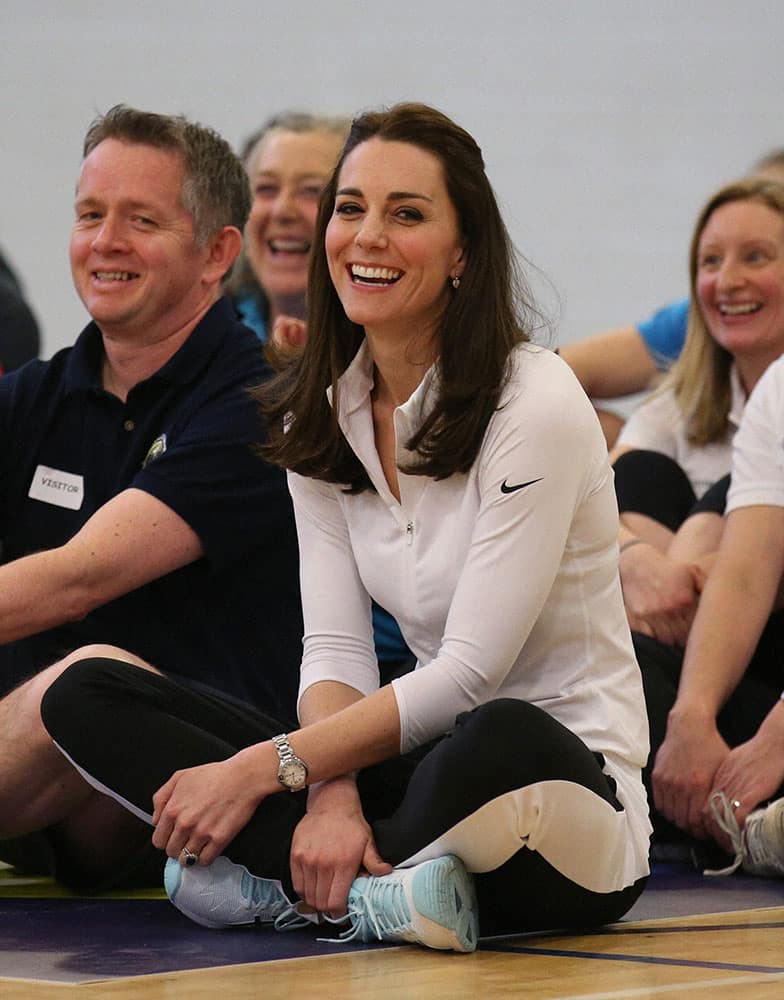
(185, 435)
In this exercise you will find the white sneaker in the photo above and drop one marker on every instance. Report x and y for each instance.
(433, 904)
(764, 836)
(223, 894)
(759, 846)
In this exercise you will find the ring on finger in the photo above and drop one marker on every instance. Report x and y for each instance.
(189, 857)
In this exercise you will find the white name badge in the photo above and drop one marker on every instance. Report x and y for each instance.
(63, 489)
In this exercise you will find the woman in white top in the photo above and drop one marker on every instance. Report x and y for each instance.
(444, 466)
(736, 333)
(719, 773)
(672, 459)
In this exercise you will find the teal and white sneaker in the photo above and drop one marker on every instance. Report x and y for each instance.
(433, 904)
(223, 894)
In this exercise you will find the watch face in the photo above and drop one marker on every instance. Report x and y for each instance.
(293, 773)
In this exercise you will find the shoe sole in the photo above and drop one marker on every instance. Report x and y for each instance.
(443, 893)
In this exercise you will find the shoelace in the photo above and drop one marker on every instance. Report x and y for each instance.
(292, 920)
(381, 907)
(761, 853)
(391, 918)
(347, 935)
(264, 892)
(727, 822)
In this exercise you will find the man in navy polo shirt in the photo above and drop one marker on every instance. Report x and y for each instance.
(134, 513)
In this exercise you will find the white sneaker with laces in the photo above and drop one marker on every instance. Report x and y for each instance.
(223, 894)
(764, 836)
(433, 904)
(759, 846)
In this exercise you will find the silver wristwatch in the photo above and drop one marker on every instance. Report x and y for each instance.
(292, 772)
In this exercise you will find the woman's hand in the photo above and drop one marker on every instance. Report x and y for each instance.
(748, 775)
(204, 808)
(331, 844)
(660, 595)
(289, 335)
(684, 772)
(751, 773)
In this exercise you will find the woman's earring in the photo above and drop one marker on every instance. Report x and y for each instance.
(455, 281)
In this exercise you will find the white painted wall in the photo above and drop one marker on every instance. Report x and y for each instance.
(604, 123)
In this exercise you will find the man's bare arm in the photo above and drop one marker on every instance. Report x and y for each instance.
(131, 540)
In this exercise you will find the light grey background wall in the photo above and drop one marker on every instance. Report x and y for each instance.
(604, 123)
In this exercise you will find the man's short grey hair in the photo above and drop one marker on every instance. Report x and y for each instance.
(215, 191)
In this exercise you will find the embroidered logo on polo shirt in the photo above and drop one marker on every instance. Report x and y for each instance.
(157, 448)
(61, 489)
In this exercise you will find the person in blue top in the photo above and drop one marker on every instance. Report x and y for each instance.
(289, 160)
(628, 359)
(664, 333)
(135, 513)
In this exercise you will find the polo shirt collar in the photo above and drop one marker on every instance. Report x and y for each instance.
(356, 384)
(84, 366)
(737, 398)
(355, 418)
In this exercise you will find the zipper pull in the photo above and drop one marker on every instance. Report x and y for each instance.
(410, 532)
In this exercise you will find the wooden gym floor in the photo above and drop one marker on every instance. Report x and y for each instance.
(688, 936)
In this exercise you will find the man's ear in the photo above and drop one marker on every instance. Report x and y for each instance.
(224, 248)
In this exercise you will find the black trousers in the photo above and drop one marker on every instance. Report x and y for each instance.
(647, 482)
(128, 730)
(741, 717)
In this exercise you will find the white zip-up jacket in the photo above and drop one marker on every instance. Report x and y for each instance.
(504, 580)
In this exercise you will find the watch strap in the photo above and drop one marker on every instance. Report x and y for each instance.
(287, 757)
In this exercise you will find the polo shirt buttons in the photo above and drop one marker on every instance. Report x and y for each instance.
(129, 425)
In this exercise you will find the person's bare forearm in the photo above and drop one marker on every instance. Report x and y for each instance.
(38, 592)
(612, 364)
(697, 538)
(131, 540)
(735, 605)
(319, 702)
(343, 731)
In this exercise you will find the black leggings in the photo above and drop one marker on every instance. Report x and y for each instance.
(128, 730)
(647, 482)
(739, 720)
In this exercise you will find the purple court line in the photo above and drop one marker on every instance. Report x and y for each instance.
(620, 931)
(644, 959)
(679, 929)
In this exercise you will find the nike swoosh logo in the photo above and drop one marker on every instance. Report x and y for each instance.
(506, 488)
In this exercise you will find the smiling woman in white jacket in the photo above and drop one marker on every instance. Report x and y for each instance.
(444, 466)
